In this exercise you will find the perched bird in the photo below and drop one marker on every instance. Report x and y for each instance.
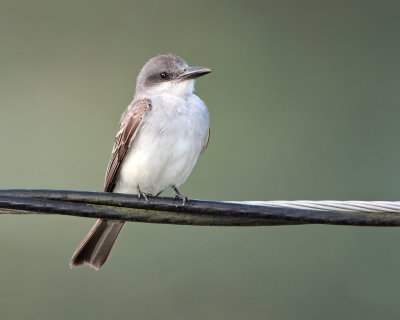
(162, 133)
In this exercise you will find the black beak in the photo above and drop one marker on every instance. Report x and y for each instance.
(194, 72)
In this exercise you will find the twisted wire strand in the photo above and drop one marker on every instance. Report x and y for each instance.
(333, 205)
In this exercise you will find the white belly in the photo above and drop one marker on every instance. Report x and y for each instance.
(167, 146)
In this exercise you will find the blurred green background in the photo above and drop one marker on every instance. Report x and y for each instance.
(305, 104)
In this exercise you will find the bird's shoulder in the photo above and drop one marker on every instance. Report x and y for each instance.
(136, 109)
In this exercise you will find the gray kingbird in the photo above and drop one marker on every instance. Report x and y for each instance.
(162, 133)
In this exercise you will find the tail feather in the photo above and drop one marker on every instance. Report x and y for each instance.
(96, 246)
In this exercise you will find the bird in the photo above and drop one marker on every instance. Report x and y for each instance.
(161, 135)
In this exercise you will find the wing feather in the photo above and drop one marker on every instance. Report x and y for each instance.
(206, 141)
(130, 124)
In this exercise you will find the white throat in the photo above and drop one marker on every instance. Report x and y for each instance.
(180, 89)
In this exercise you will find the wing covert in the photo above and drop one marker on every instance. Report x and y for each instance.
(130, 124)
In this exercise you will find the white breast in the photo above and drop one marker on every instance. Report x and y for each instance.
(167, 146)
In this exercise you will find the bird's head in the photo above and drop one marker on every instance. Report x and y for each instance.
(168, 73)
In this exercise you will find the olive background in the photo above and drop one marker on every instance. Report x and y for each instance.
(305, 104)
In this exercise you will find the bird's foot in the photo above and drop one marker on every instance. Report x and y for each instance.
(180, 196)
(143, 195)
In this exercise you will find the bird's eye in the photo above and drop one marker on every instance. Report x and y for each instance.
(164, 75)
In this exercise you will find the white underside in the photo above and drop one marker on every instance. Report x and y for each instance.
(167, 146)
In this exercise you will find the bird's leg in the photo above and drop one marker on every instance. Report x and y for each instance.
(143, 194)
(180, 196)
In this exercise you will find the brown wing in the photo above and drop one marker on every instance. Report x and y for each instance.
(130, 124)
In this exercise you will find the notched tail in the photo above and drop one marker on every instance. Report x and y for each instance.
(96, 246)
